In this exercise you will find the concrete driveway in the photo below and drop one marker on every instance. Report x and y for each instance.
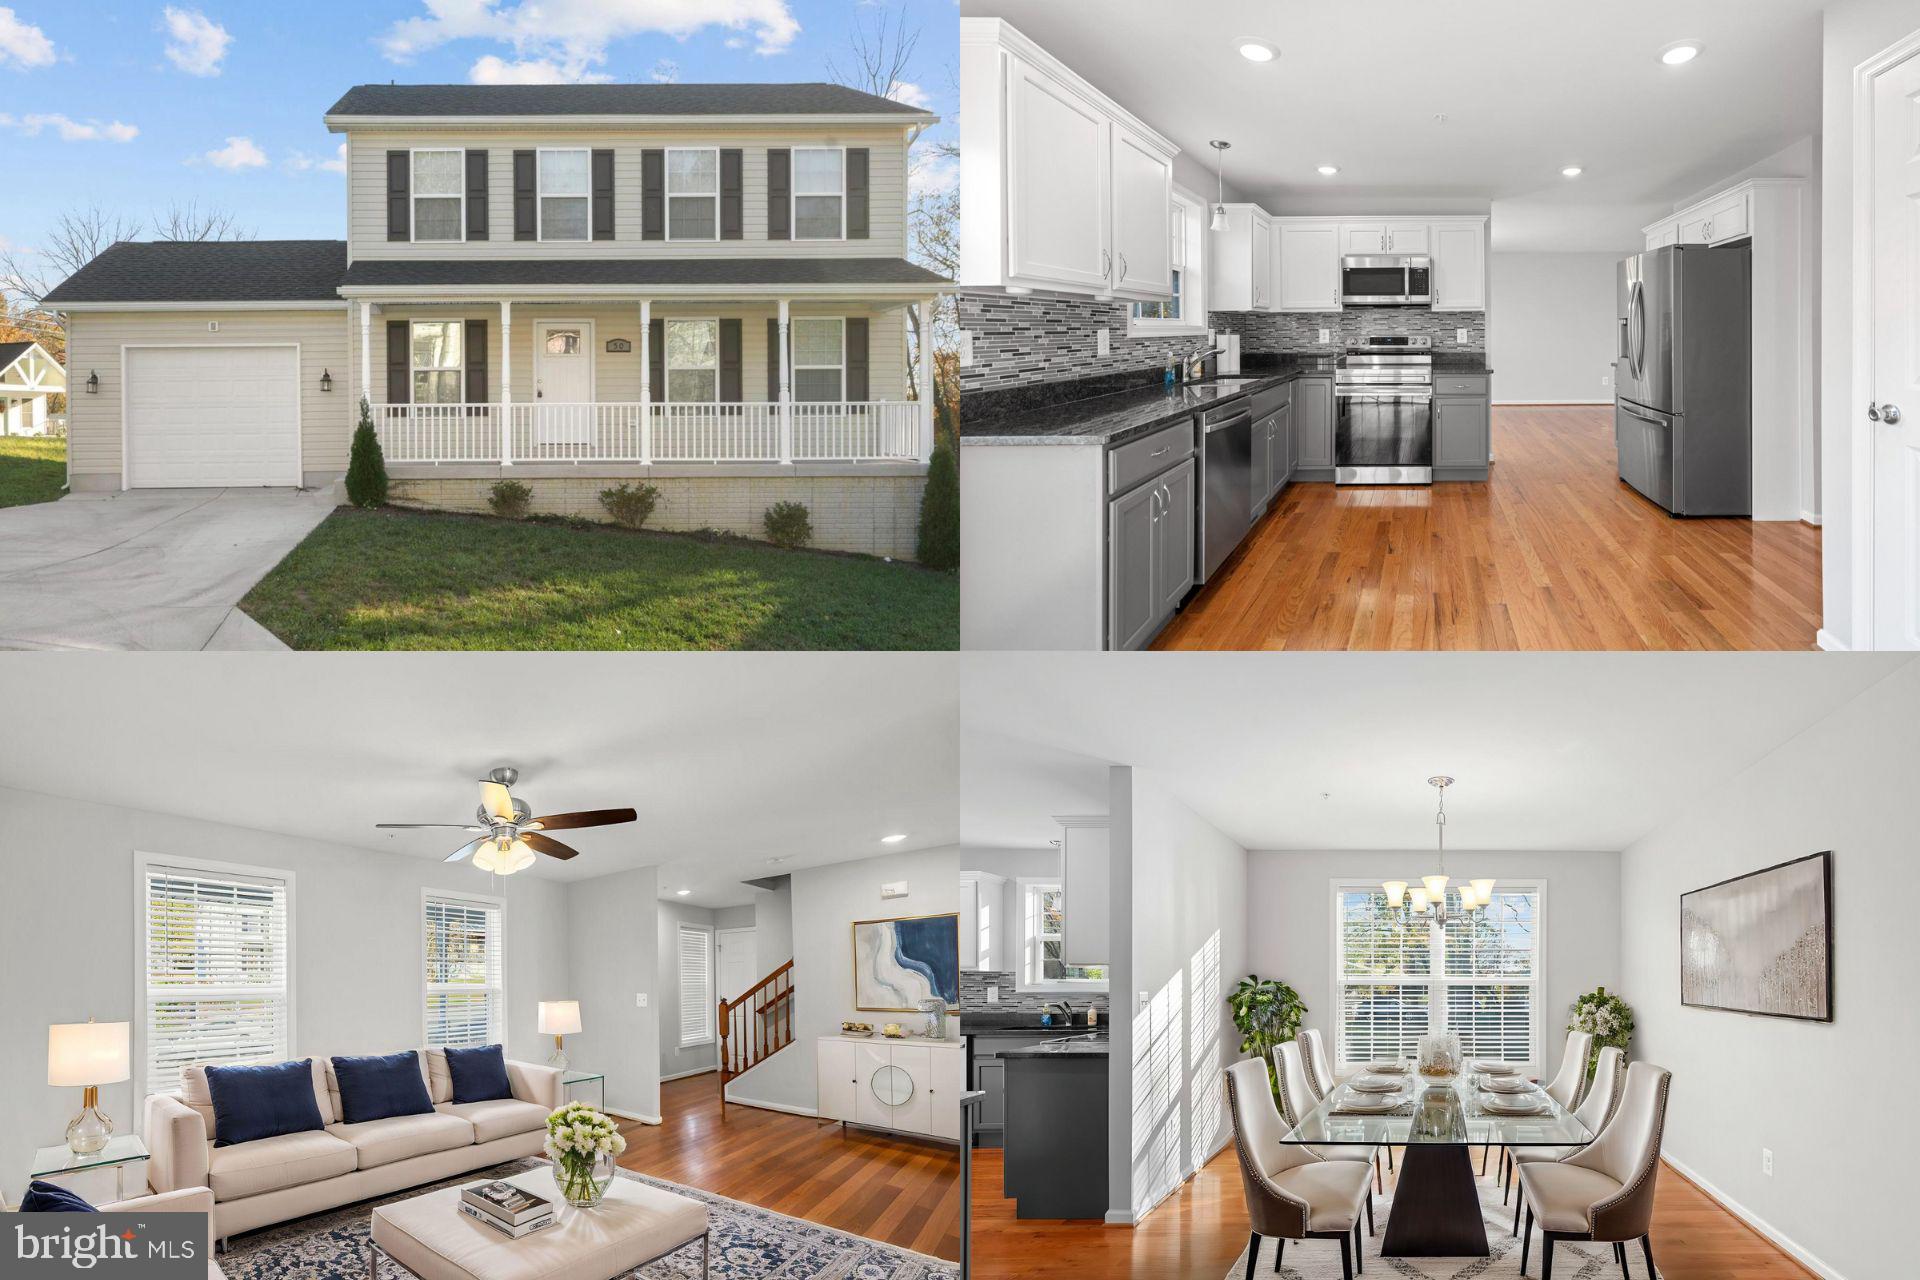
(150, 569)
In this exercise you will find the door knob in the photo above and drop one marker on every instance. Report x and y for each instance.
(1889, 414)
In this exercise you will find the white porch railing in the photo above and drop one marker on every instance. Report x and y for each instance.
(547, 431)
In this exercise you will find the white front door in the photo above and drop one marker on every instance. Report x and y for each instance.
(738, 964)
(1895, 385)
(563, 382)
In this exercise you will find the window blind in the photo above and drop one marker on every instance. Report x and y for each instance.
(217, 949)
(465, 986)
(696, 986)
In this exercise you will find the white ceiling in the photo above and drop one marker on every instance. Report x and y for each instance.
(732, 760)
(1526, 87)
(1328, 752)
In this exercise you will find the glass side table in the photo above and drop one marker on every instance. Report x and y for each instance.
(121, 1150)
(572, 1078)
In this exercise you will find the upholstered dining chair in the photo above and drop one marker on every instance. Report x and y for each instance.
(1291, 1193)
(1594, 1111)
(1566, 1087)
(1604, 1191)
(1320, 1077)
(1296, 1100)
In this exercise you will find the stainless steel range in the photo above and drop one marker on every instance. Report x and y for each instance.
(1383, 424)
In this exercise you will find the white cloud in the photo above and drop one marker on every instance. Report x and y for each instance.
(933, 176)
(22, 44)
(238, 154)
(69, 129)
(665, 71)
(301, 162)
(912, 94)
(195, 42)
(492, 70)
(562, 39)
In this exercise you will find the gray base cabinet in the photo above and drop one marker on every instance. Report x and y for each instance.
(1150, 556)
(1313, 423)
(1462, 427)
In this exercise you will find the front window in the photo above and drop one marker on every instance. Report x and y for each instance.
(439, 361)
(693, 193)
(565, 212)
(819, 358)
(819, 193)
(693, 361)
(439, 195)
(1043, 922)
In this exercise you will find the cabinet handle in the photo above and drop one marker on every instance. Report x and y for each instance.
(1123, 266)
(1106, 263)
(1162, 449)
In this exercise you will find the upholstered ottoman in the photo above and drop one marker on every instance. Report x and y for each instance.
(636, 1224)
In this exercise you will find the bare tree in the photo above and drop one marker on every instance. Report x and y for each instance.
(877, 55)
(76, 238)
(190, 222)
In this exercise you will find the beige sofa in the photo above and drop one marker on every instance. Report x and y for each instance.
(186, 1200)
(255, 1184)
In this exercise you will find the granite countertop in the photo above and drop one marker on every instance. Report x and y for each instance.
(1461, 362)
(1082, 1046)
(1120, 416)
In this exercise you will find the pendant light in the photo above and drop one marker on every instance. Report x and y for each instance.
(1430, 895)
(1219, 222)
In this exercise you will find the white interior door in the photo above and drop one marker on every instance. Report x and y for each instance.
(563, 382)
(212, 416)
(1896, 356)
(738, 963)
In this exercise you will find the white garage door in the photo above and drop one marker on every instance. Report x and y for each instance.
(212, 416)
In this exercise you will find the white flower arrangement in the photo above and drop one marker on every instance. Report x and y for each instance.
(578, 1139)
(1605, 1017)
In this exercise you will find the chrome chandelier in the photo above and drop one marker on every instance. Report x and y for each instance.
(1429, 897)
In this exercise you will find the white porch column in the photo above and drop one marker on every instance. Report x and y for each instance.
(506, 383)
(366, 351)
(646, 381)
(786, 383)
(923, 376)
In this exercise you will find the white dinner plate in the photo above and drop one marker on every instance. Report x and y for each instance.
(1374, 1084)
(1507, 1084)
(1367, 1103)
(1395, 1067)
(1496, 1068)
(1512, 1106)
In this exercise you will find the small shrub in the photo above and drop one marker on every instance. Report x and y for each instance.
(510, 498)
(939, 540)
(630, 505)
(366, 464)
(788, 524)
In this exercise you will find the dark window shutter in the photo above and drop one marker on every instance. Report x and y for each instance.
(730, 390)
(603, 195)
(773, 358)
(856, 388)
(653, 194)
(399, 187)
(732, 194)
(477, 362)
(857, 187)
(779, 194)
(476, 195)
(525, 192)
(657, 358)
(399, 364)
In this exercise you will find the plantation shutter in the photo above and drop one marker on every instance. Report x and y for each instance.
(399, 366)
(526, 224)
(697, 1005)
(476, 344)
(217, 971)
(857, 193)
(464, 987)
(1491, 967)
(856, 388)
(732, 194)
(603, 195)
(779, 193)
(476, 195)
(657, 359)
(399, 193)
(730, 388)
(653, 194)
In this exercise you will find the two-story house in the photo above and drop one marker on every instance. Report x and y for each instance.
(704, 287)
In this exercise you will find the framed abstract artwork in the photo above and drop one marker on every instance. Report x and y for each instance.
(1762, 943)
(898, 963)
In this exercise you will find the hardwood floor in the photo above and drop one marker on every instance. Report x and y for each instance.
(1199, 1230)
(903, 1192)
(1553, 552)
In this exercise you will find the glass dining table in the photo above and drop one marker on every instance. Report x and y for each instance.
(1436, 1205)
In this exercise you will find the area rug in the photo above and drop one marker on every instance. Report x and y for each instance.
(749, 1243)
(1572, 1260)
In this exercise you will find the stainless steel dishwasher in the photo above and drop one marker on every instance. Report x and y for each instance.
(1226, 482)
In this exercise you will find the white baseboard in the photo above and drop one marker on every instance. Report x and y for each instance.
(1754, 1220)
(682, 1075)
(1119, 1218)
(635, 1115)
(764, 1105)
(1552, 403)
(1830, 642)
(1810, 517)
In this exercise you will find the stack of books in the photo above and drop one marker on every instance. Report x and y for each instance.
(506, 1208)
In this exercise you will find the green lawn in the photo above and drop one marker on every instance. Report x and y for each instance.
(32, 469)
(393, 579)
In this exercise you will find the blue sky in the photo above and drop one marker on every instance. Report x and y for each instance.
(139, 105)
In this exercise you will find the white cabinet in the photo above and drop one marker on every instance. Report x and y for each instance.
(1306, 265)
(1085, 890)
(1359, 239)
(1058, 230)
(948, 1081)
(839, 1079)
(1459, 265)
(1662, 234)
(1370, 237)
(909, 1086)
(1303, 259)
(1262, 241)
(986, 941)
(1240, 266)
(1408, 237)
(1715, 220)
(1142, 216)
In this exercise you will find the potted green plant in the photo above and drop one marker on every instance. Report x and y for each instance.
(1607, 1018)
(1267, 1012)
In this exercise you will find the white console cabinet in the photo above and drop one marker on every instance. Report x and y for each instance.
(907, 1086)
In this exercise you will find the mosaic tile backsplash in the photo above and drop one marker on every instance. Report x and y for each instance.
(973, 995)
(1299, 331)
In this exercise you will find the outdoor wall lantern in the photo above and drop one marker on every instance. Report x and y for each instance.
(326, 379)
(93, 383)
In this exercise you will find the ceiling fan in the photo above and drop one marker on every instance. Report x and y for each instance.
(506, 834)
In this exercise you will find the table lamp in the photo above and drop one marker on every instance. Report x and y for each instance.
(559, 1019)
(86, 1055)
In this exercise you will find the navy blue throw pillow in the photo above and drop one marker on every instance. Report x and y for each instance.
(44, 1197)
(254, 1102)
(479, 1074)
(378, 1086)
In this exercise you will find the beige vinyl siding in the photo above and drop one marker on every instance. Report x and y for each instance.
(94, 342)
(887, 200)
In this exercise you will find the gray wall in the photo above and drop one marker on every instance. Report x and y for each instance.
(674, 1060)
(1289, 893)
(1552, 341)
(613, 931)
(1740, 1083)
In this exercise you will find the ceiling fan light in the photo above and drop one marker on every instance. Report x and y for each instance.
(1396, 892)
(518, 857)
(490, 857)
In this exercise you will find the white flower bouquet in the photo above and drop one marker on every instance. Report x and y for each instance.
(583, 1144)
(1605, 1017)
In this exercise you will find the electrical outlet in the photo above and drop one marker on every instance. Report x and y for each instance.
(966, 348)
(1326, 336)
(1460, 337)
(640, 1000)
(1766, 1161)
(1606, 379)
(993, 995)
(1102, 343)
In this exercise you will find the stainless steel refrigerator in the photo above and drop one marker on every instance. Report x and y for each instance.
(1683, 386)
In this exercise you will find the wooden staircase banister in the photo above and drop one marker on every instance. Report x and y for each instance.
(756, 1025)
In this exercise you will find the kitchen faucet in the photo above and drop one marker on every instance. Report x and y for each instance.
(1197, 361)
(1066, 1010)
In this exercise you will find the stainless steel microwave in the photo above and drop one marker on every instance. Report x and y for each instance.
(1387, 280)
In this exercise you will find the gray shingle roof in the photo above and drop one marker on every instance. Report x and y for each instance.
(614, 100)
(11, 351)
(209, 271)
(640, 271)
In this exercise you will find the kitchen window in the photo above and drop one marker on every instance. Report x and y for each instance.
(439, 361)
(439, 195)
(1398, 976)
(693, 193)
(565, 194)
(1042, 919)
(464, 987)
(693, 361)
(819, 358)
(1185, 312)
(819, 193)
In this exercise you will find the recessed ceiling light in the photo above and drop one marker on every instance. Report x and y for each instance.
(1258, 50)
(785, 857)
(1680, 51)
(1328, 170)
(895, 838)
(1571, 171)
(681, 893)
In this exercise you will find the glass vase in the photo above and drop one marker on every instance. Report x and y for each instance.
(583, 1180)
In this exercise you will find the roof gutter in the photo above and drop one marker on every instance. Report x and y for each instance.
(289, 304)
(424, 293)
(892, 119)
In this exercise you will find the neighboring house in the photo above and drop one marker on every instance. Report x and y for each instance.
(700, 286)
(28, 376)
